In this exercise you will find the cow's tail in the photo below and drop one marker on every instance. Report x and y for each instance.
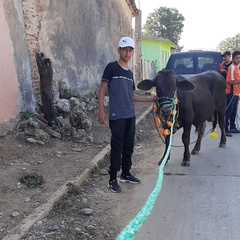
(213, 133)
(215, 120)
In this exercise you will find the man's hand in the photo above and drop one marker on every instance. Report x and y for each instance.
(102, 118)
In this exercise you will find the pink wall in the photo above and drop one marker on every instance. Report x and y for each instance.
(8, 76)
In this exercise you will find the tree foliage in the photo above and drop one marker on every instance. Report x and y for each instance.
(165, 22)
(230, 44)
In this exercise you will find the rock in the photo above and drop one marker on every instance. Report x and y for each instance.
(54, 227)
(79, 134)
(40, 142)
(15, 214)
(78, 229)
(42, 135)
(87, 211)
(32, 122)
(52, 132)
(30, 131)
(31, 140)
(64, 87)
(39, 222)
(64, 105)
(58, 152)
(86, 124)
(36, 204)
(74, 102)
(104, 172)
(91, 229)
(55, 97)
(63, 122)
(27, 199)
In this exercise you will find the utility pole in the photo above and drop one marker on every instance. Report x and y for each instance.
(236, 47)
(138, 54)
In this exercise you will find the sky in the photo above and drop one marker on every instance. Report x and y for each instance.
(207, 22)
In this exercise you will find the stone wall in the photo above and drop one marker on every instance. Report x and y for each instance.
(80, 37)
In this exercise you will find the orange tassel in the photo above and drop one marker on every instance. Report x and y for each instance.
(160, 131)
(166, 132)
(154, 108)
(157, 121)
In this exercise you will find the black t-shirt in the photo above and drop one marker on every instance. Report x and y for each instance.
(120, 89)
(225, 67)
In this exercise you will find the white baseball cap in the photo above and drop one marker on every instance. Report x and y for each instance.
(126, 42)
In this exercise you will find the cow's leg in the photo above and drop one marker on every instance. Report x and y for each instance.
(186, 141)
(200, 130)
(221, 122)
(167, 141)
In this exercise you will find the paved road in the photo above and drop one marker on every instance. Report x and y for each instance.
(200, 202)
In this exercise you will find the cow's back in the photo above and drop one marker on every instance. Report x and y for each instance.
(208, 95)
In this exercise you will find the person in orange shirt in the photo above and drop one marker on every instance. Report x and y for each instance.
(232, 88)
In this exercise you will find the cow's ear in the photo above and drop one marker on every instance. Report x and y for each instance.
(185, 85)
(145, 84)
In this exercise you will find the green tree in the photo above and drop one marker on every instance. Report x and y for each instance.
(165, 22)
(230, 44)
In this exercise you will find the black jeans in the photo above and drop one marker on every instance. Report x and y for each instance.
(231, 103)
(122, 144)
(233, 115)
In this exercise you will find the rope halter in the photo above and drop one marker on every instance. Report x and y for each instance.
(164, 114)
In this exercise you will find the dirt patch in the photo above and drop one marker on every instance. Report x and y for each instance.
(57, 161)
(106, 218)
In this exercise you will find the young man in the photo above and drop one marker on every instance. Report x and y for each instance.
(118, 80)
(233, 88)
(225, 64)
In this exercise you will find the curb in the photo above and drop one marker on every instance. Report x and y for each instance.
(42, 211)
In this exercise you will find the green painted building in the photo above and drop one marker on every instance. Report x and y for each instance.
(156, 50)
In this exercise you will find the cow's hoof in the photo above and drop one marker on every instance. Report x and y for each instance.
(194, 152)
(185, 163)
(222, 145)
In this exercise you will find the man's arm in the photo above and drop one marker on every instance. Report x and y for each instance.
(143, 99)
(232, 82)
(102, 118)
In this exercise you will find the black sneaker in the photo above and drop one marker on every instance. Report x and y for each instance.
(234, 130)
(129, 178)
(228, 134)
(114, 187)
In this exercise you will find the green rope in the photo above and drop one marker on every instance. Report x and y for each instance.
(134, 226)
(166, 104)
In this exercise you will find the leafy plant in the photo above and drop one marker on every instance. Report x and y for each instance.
(32, 180)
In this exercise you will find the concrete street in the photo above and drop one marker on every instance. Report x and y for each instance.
(200, 202)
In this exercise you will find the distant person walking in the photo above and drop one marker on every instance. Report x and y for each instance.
(118, 79)
(232, 92)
